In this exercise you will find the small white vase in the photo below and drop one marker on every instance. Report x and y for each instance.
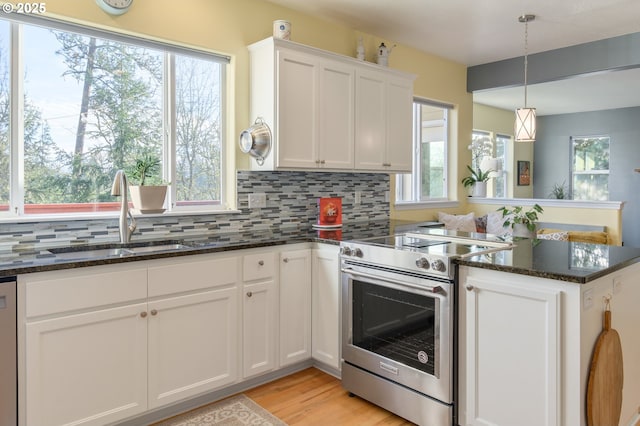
(479, 189)
(521, 230)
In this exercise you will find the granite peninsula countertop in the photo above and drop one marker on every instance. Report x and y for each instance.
(558, 260)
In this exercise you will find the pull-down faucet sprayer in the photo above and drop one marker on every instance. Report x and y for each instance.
(119, 188)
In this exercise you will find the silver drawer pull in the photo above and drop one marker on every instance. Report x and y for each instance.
(143, 314)
(285, 260)
(154, 312)
(249, 294)
(469, 287)
(261, 262)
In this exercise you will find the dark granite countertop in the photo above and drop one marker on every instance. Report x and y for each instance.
(557, 260)
(564, 261)
(44, 258)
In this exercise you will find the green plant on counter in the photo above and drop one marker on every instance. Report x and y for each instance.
(518, 215)
(476, 176)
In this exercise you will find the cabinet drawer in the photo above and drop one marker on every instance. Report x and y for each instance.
(199, 273)
(60, 291)
(258, 266)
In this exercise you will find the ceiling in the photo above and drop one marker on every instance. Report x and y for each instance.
(475, 32)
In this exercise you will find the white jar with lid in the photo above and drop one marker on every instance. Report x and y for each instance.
(282, 29)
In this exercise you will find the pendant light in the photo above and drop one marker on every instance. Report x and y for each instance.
(525, 127)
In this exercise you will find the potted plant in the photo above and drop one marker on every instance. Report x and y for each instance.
(478, 181)
(521, 221)
(147, 198)
(559, 191)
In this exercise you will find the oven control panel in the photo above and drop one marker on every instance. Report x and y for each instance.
(390, 258)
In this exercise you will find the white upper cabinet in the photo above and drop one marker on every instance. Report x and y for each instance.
(315, 106)
(383, 121)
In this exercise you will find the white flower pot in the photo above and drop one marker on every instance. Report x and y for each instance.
(521, 230)
(148, 198)
(479, 189)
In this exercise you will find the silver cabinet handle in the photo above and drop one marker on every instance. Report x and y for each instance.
(469, 287)
(143, 314)
(321, 161)
(249, 294)
(285, 260)
(261, 262)
(386, 164)
(154, 312)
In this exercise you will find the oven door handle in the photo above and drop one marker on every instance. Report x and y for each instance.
(431, 288)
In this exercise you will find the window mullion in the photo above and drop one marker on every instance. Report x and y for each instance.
(16, 118)
(169, 146)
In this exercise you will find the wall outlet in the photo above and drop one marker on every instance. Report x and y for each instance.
(357, 198)
(257, 200)
(587, 299)
(617, 285)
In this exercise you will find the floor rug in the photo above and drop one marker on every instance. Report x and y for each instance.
(238, 410)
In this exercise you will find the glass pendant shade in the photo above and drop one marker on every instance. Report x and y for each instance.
(525, 127)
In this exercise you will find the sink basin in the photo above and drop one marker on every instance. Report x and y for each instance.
(91, 254)
(157, 248)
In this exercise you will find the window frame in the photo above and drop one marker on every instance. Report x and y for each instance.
(169, 51)
(416, 174)
(572, 158)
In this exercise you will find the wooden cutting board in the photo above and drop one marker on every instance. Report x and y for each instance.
(604, 389)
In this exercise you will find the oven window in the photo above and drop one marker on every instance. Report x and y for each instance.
(396, 324)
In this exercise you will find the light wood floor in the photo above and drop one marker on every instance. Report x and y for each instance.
(311, 397)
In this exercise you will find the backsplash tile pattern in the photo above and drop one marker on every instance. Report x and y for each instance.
(291, 202)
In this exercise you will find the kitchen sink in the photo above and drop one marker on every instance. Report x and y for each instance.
(157, 248)
(94, 253)
(91, 254)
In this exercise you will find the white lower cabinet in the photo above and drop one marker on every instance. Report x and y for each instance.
(295, 306)
(101, 344)
(259, 314)
(513, 352)
(87, 368)
(87, 363)
(325, 307)
(192, 342)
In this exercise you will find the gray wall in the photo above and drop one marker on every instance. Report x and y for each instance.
(552, 157)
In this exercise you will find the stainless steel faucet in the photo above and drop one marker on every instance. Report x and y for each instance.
(119, 188)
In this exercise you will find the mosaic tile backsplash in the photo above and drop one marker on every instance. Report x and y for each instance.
(291, 202)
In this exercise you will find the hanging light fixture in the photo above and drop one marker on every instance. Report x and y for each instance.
(525, 128)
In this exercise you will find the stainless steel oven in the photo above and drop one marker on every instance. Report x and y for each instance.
(399, 316)
(398, 342)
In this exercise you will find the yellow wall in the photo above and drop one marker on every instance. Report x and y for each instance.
(228, 26)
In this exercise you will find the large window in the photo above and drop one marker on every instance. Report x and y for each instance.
(87, 103)
(428, 182)
(590, 171)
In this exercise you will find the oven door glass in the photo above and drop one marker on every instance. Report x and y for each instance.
(396, 324)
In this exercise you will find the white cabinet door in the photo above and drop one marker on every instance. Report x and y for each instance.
(399, 106)
(259, 327)
(325, 306)
(192, 344)
(296, 105)
(371, 120)
(336, 110)
(383, 121)
(513, 354)
(88, 368)
(295, 306)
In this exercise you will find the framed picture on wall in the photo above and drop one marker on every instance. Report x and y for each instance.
(524, 173)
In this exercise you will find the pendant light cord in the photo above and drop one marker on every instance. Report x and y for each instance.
(526, 62)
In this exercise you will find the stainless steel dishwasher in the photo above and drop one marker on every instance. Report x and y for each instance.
(8, 353)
